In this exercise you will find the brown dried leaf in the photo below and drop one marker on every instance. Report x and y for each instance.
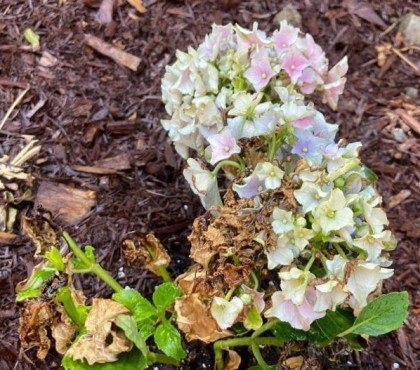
(63, 331)
(146, 251)
(195, 320)
(366, 12)
(95, 346)
(294, 363)
(33, 322)
(41, 234)
(234, 360)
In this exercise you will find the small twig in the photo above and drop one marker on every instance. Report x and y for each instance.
(121, 57)
(13, 106)
(405, 59)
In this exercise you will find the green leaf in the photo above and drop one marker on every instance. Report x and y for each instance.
(132, 360)
(168, 340)
(32, 288)
(55, 258)
(165, 294)
(370, 175)
(323, 331)
(384, 314)
(129, 326)
(146, 327)
(140, 307)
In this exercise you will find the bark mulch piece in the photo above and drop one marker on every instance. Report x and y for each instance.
(98, 123)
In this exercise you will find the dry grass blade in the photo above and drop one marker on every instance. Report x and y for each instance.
(13, 106)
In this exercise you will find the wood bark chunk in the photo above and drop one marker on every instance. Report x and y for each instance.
(119, 162)
(121, 57)
(69, 205)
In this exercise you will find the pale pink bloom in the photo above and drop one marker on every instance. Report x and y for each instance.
(286, 36)
(294, 64)
(257, 297)
(334, 83)
(247, 39)
(314, 53)
(310, 80)
(223, 145)
(298, 316)
(260, 72)
(303, 122)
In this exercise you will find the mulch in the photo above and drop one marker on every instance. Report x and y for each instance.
(88, 111)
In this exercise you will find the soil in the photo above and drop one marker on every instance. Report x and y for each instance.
(88, 109)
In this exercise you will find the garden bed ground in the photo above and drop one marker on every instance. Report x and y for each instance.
(92, 112)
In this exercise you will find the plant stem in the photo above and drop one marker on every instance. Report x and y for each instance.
(94, 268)
(339, 250)
(267, 326)
(242, 342)
(258, 356)
(272, 148)
(164, 274)
(163, 359)
(311, 261)
(64, 297)
(225, 163)
(347, 167)
(229, 293)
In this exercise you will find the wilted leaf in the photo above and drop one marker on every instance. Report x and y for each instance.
(234, 360)
(146, 252)
(102, 342)
(195, 320)
(63, 332)
(366, 12)
(41, 234)
(294, 363)
(33, 323)
(168, 340)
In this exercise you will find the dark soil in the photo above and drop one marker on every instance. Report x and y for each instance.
(95, 109)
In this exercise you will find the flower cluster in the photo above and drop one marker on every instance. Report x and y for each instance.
(239, 102)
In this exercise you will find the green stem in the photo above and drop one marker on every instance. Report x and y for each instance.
(311, 261)
(225, 163)
(347, 167)
(255, 279)
(230, 293)
(267, 326)
(64, 297)
(272, 148)
(94, 268)
(258, 356)
(339, 250)
(162, 359)
(243, 342)
(164, 274)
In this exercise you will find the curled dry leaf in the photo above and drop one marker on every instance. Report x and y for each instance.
(146, 251)
(63, 331)
(41, 234)
(34, 320)
(294, 363)
(234, 360)
(37, 318)
(195, 320)
(103, 341)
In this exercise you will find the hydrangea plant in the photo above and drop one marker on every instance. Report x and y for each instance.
(239, 102)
